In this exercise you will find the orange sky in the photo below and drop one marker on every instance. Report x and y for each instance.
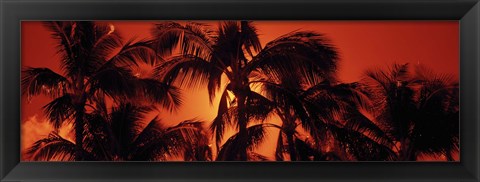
(361, 45)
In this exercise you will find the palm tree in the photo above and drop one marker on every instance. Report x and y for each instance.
(255, 135)
(95, 62)
(336, 114)
(234, 52)
(121, 136)
(419, 112)
(327, 112)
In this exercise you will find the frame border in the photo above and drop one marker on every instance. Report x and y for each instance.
(467, 12)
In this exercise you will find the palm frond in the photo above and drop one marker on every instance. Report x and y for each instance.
(352, 94)
(258, 107)
(347, 101)
(223, 117)
(358, 122)
(305, 151)
(231, 148)
(309, 53)
(156, 141)
(289, 98)
(227, 50)
(59, 110)
(154, 91)
(360, 146)
(43, 81)
(438, 107)
(106, 41)
(250, 38)
(384, 82)
(185, 135)
(125, 122)
(99, 103)
(189, 70)
(281, 94)
(193, 38)
(393, 98)
(99, 139)
(116, 82)
(54, 147)
(253, 156)
(214, 81)
(142, 146)
(76, 46)
(321, 107)
(63, 32)
(133, 52)
(436, 133)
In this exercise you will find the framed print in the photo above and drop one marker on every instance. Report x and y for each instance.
(316, 91)
(239, 91)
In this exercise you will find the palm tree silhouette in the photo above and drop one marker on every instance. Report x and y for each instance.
(419, 111)
(389, 115)
(95, 62)
(322, 109)
(255, 135)
(120, 136)
(234, 52)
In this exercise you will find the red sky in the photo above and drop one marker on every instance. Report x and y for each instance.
(361, 45)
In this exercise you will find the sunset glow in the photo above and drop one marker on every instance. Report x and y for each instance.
(360, 45)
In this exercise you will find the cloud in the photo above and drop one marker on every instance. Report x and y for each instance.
(34, 129)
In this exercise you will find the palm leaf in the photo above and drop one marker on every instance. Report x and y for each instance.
(258, 107)
(360, 146)
(54, 147)
(253, 156)
(155, 141)
(98, 137)
(231, 148)
(43, 81)
(125, 124)
(358, 122)
(185, 135)
(223, 117)
(194, 38)
(99, 103)
(63, 32)
(59, 110)
(250, 38)
(307, 52)
(394, 100)
(437, 108)
(385, 82)
(107, 40)
(76, 46)
(155, 91)
(116, 82)
(190, 71)
(133, 52)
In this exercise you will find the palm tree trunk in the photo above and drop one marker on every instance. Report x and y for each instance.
(242, 122)
(79, 118)
(412, 154)
(79, 123)
(291, 147)
(407, 152)
(403, 152)
(279, 150)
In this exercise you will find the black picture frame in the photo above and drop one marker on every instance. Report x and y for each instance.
(12, 12)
